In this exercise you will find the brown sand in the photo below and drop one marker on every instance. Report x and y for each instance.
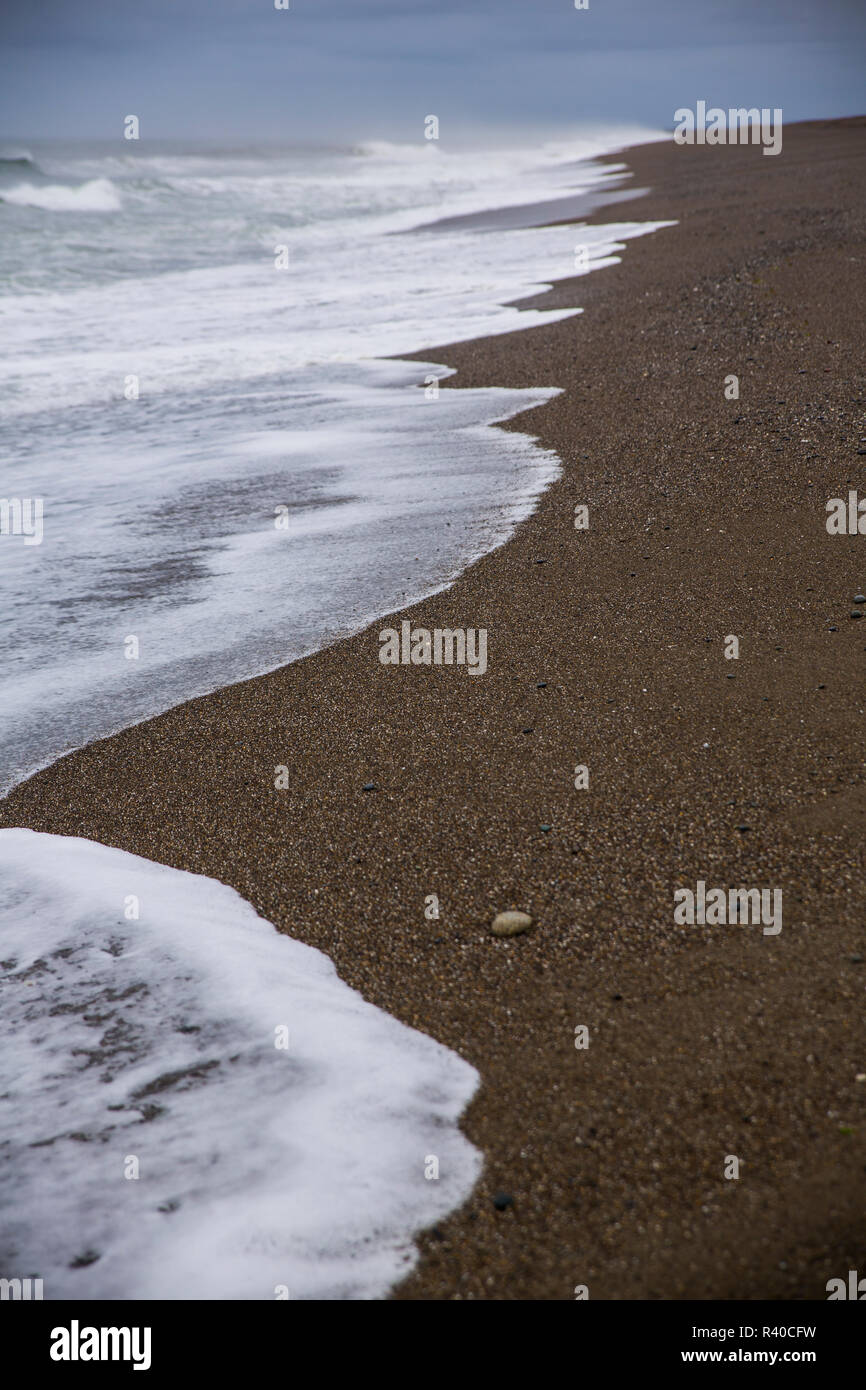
(707, 518)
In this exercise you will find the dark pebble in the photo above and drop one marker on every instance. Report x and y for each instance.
(502, 1201)
(743, 828)
(82, 1261)
(369, 787)
(856, 960)
(541, 685)
(856, 613)
(860, 598)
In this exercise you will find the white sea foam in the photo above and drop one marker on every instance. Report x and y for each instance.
(154, 1040)
(258, 395)
(257, 388)
(172, 538)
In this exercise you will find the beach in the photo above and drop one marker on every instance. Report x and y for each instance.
(604, 1165)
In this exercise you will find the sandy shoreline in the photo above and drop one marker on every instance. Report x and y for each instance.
(706, 519)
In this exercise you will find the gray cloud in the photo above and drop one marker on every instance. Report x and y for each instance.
(330, 69)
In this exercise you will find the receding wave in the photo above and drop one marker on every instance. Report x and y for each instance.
(98, 195)
(281, 1122)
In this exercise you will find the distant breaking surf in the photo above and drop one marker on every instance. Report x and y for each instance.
(98, 195)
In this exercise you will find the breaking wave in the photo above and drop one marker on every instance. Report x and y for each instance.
(98, 195)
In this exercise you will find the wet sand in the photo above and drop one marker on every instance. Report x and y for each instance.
(606, 648)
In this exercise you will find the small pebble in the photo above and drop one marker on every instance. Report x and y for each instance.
(502, 1201)
(860, 598)
(511, 923)
(369, 787)
(856, 612)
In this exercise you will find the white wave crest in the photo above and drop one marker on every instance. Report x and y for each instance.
(98, 195)
(386, 149)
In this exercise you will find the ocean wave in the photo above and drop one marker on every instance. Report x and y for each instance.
(387, 149)
(98, 195)
(17, 159)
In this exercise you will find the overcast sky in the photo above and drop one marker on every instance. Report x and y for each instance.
(360, 69)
